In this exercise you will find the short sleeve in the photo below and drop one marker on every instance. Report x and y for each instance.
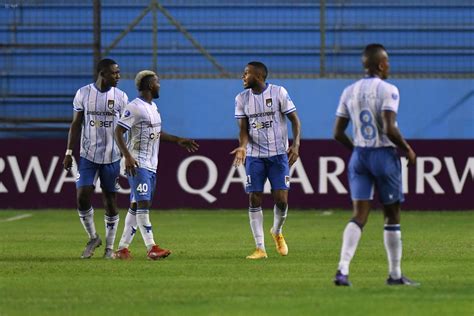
(124, 102)
(390, 99)
(286, 104)
(78, 104)
(342, 107)
(128, 118)
(239, 108)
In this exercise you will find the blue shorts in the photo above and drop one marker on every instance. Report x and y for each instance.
(89, 172)
(275, 168)
(379, 167)
(142, 186)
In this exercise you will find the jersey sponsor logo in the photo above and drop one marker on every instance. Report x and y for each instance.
(98, 123)
(106, 113)
(110, 104)
(269, 102)
(260, 125)
(154, 135)
(262, 114)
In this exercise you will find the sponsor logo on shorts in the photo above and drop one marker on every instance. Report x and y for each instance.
(287, 181)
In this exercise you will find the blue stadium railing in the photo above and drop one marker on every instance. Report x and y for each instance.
(46, 50)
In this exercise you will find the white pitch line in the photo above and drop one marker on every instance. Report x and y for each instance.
(16, 218)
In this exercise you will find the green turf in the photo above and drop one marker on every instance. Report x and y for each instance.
(41, 273)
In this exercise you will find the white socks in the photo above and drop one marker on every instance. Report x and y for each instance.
(111, 225)
(143, 222)
(350, 240)
(392, 238)
(129, 229)
(279, 217)
(87, 220)
(256, 224)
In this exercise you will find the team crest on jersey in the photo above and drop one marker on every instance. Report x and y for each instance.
(269, 102)
(110, 104)
(287, 181)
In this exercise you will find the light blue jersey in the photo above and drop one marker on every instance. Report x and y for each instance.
(374, 161)
(266, 113)
(143, 121)
(363, 102)
(101, 113)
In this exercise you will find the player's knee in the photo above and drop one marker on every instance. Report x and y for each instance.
(83, 202)
(143, 204)
(282, 206)
(255, 200)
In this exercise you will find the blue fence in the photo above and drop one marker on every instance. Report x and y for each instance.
(46, 48)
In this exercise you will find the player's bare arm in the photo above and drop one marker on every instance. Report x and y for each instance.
(189, 144)
(74, 134)
(339, 132)
(393, 133)
(293, 151)
(241, 151)
(130, 162)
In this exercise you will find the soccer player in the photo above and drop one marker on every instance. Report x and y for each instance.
(261, 111)
(372, 104)
(142, 120)
(97, 108)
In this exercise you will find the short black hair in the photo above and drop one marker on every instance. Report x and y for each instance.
(261, 67)
(145, 83)
(371, 55)
(104, 64)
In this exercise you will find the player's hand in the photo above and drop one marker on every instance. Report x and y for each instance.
(293, 154)
(67, 162)
(190, 144)
(130, 166)
(240, 153)
(411, 155)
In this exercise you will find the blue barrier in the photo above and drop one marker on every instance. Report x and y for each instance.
(204, 109)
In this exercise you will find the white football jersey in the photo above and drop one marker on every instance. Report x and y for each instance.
(143, 121)
(266, 113)
(101, 113)
(363, 103)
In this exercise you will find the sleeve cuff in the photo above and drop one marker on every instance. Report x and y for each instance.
(342, 115)
(124, 125)
(289, 111)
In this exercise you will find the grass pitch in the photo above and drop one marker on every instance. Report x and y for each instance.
(207, 273)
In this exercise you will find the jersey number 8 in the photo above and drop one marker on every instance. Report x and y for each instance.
(367, 127)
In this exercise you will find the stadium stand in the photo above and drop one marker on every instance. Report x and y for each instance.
(46, 48)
